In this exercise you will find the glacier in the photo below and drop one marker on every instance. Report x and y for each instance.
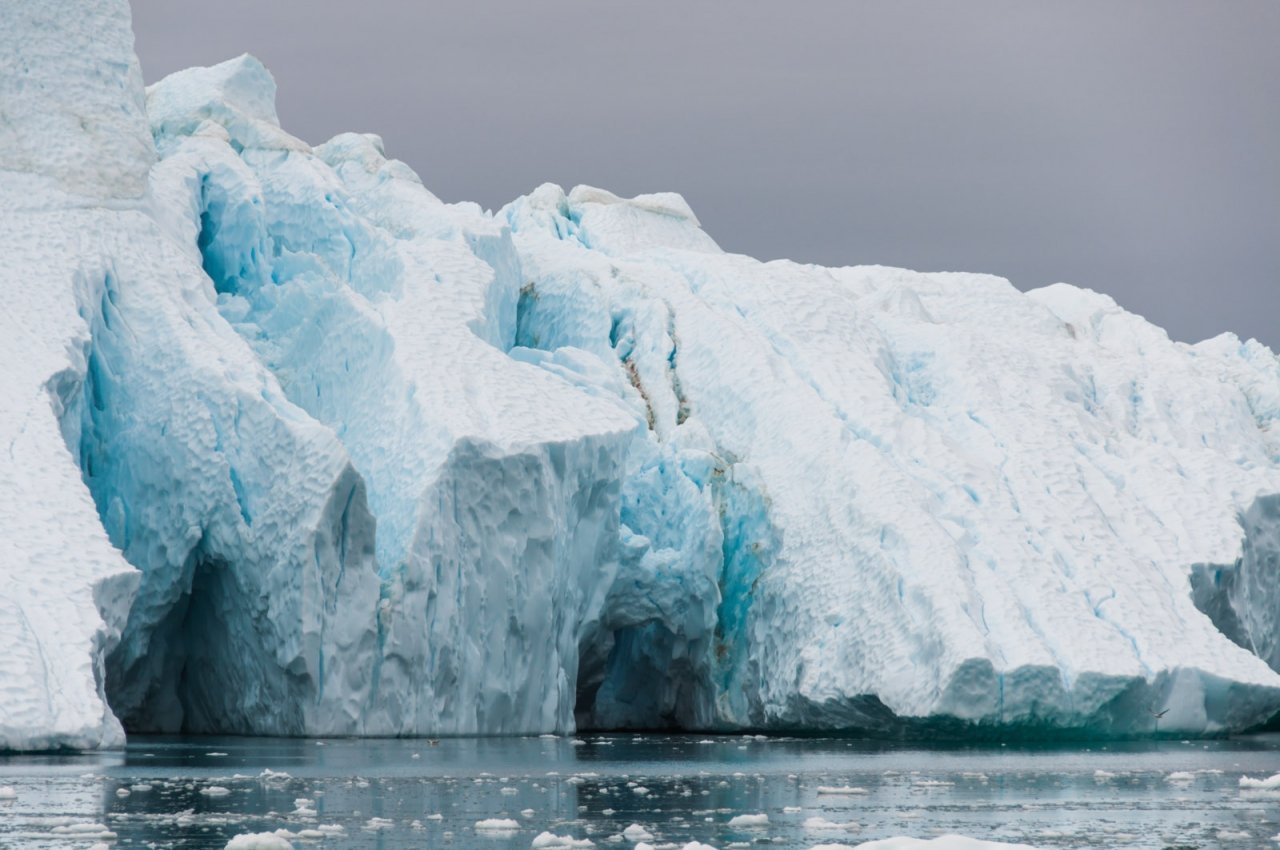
(293, 447)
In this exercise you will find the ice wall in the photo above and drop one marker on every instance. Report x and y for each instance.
(292, 447)
(64, 181)
(385, 315)
(958, 501)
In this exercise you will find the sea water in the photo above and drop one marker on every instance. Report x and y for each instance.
(500, 793)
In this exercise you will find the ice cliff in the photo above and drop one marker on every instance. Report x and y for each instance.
(290, 446)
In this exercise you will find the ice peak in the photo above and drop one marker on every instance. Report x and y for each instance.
(239, 94)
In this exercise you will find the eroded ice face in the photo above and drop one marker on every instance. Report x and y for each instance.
(386, 465)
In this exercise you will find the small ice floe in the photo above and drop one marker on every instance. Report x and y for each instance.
(86, 829)
(259, 841)
(636, 832)
(215, 791)
(1101, 776)
(942, 842)
(1232, 835)
(1271, 783)
(123, 792)
(749, 821)
(140, 788)
(1179, 777)
(791, 810)
(497, 825)
(551, 840)
(7, 793)
(841, 789)
(818, 824)
(376, 824)
(216, 755)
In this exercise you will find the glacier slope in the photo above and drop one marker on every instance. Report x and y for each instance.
(973, 503)
(386, 465)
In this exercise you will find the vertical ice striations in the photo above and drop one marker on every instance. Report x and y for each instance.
(386, 315)
(74, 153)
(957, 500)
(386, 465)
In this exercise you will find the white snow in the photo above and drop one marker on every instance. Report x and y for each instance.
(293, 447)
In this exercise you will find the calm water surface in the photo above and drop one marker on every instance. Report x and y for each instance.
(392, 794)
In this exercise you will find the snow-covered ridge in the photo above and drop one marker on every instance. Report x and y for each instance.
(293, 447)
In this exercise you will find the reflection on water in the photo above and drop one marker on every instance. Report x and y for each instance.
(199, 792)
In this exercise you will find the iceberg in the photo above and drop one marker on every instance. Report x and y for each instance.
(293, 447)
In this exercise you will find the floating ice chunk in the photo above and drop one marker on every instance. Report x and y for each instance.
(821, 824)
(259, 841)
(215, 791)
(841, 790)
(548, 840)
(752, 821)
(85, 830)
(497, 825)
(1271, 783)
(636, 832)
(942, 842)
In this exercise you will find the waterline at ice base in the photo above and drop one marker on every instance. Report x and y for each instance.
(288, 446)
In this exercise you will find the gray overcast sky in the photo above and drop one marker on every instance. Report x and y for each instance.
(1132, 147)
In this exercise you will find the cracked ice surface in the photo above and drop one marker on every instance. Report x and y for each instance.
(964, 500)
(293, 447)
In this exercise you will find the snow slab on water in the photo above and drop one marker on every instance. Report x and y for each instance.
(942, 842)
(293, 447)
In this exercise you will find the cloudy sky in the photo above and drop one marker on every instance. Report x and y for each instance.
(1133, 148)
